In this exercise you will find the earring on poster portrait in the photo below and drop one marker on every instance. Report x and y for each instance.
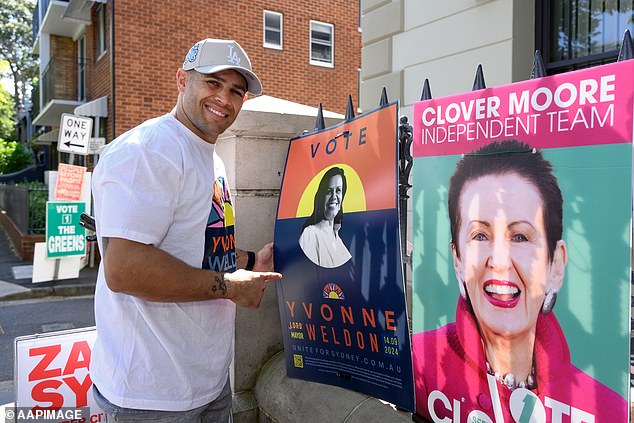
(549, 301)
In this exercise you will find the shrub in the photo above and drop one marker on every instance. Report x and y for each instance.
(14, 156)
(38, 194)
(37, 207)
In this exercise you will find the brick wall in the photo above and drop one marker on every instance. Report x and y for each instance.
(98, 76)
(151, 43)
(64, 76)
(23, 244)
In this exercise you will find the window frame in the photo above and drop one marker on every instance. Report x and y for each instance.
(81, 68)
(100, 38)
(266, 44)
(544, 41)
(321, 63)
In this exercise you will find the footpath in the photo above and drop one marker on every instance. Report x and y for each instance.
(15, 278)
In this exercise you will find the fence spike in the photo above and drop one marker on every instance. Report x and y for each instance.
(627, 50)
(426, 94)
(478, 83)
(383, 101)
(319, 122)
(349, 109)
(539, 70)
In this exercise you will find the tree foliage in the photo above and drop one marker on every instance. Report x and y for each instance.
(14, 156)
(7, 112)
(16, 42)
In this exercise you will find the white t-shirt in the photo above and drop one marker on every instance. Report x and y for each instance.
(154, 185)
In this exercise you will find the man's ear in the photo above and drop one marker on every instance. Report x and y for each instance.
(558, 265)
(182, 76)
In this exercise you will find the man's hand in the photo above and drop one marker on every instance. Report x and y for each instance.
(246, 288)
(264, 259)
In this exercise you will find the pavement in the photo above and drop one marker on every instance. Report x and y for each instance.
(15, 278)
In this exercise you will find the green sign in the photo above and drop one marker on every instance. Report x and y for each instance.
(64, 235)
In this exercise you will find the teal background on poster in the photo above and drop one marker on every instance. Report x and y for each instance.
(593, 307)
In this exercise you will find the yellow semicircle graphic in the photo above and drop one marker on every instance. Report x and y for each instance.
(229, 216)
(354, 201)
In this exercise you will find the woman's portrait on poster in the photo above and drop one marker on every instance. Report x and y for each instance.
(320, 240)
(506, 348)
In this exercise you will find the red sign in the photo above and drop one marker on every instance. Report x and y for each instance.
(70, 182)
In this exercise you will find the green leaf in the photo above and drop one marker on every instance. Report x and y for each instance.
(14, 156)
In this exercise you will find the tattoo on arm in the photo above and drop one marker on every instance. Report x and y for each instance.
(219, 284)
(104, 243)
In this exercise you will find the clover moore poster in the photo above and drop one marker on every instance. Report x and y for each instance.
(341, 301)
(521, 258)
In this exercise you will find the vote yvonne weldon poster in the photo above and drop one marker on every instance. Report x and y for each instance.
(521, 261)
(342, 302)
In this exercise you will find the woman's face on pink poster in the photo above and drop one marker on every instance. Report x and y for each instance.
(504, 259)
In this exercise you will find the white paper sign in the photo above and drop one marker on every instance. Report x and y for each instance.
(46, 269)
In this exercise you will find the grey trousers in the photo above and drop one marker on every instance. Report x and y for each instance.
(217, 411)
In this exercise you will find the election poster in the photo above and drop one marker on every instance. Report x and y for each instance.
(65, 236)
(69, 183)
(342, 299)
(52, 377)
(522, 202)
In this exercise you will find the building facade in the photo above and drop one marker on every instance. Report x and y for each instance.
(116, 60)
(405, 42)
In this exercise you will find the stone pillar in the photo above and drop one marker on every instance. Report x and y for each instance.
(254, 152)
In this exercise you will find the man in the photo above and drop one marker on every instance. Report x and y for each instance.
(163, 208)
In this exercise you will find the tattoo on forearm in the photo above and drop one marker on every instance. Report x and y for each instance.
(104, 242)
(219, 284)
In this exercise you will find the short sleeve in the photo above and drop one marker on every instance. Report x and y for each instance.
(136, 189)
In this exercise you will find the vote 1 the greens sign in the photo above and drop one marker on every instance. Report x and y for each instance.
(64, 235)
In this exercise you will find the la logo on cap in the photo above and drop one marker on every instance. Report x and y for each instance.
(233, 57)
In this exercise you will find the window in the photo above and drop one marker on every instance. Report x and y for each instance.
(81, 68)
(101, 31)
(103, 127)
(322, 44)
(575, 34)
(273, 29)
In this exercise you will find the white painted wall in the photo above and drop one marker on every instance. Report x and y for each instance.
(406, 41)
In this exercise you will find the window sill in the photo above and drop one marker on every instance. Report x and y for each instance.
(322, 64)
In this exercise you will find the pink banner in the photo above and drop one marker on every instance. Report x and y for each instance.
(555, 111)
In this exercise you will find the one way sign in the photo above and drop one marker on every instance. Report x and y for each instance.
(74, 134)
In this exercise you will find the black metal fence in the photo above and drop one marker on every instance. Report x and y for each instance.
(26, 206)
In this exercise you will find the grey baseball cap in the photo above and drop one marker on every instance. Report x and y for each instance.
(212, 55)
